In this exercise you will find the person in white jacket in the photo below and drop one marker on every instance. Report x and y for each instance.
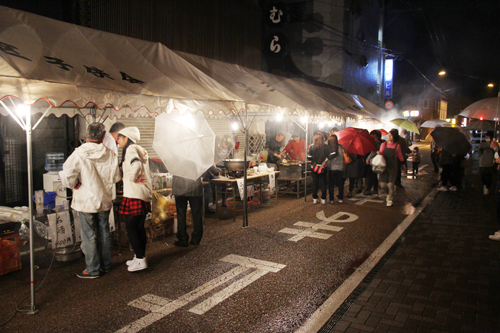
(91, 171)
(137, 194)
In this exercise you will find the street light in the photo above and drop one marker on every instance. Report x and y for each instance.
(442, 73)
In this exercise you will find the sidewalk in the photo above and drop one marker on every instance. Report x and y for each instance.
(441, 275)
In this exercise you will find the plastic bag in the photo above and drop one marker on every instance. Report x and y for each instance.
(163, 208)
(378, 164)
(24, 232)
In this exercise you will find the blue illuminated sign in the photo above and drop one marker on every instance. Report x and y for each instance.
(388, 71)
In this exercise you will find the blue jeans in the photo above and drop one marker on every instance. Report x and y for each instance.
(96, 241)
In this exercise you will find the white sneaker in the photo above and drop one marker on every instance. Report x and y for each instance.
(495, 237)
(389, 203)
(130, 262)
(453, 188)
(485, 190)
(138, 265)
(323, 201)
(315, 201)
(443, 188)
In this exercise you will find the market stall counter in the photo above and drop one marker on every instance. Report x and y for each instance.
(293, 174)
(233, 183)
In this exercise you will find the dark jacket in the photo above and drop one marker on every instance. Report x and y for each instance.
(445, 158)
(318, 155)
(356, 169)
(274, 147)
(186, 187)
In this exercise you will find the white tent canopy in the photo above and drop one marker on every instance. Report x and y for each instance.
(45, 59)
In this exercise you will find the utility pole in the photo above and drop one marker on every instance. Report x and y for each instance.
(380, 42)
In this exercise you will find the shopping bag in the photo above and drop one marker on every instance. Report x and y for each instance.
(378, 164)
(318, 168)
(347, 159)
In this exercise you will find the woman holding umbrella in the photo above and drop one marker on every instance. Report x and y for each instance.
(391, 150)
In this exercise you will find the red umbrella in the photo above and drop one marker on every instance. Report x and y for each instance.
(383, 131)
(356, 141)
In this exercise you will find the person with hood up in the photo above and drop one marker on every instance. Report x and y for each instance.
(137, 194)
(91, 171)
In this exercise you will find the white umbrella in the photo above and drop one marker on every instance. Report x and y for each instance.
(370, 124)
(433, 123)
(487, 109)
(185, 143)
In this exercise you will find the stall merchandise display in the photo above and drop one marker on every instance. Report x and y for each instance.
(162, 208)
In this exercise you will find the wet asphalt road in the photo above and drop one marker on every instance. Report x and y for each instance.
(303, 273)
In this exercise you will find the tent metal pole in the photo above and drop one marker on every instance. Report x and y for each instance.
(32, 310)
(305, 161)
(245, 195)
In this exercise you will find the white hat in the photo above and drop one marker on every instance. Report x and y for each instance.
(132, 133)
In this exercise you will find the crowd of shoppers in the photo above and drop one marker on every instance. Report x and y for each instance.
(92, 171)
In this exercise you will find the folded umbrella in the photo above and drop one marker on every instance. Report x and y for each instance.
(356, 141)
(452, 140)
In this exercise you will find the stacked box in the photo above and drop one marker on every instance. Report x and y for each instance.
(10, 254)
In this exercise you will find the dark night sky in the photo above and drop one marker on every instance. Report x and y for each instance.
(462, 37)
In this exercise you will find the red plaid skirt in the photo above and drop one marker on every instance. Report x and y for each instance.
(132, 206)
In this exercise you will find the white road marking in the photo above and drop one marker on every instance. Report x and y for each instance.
(160, 307)
(227, 292)
(362, 199)
(422, 167)
(311, 228)
(150, 303)
(253, 263)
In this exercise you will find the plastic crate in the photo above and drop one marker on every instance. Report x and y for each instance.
(10, 254)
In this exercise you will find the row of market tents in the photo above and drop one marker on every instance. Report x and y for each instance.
(77, 70)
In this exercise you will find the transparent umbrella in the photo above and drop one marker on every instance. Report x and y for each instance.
(485, 109)
(185, 143)
(370, 124)
(433, 123)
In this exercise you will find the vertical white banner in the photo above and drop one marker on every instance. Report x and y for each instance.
(78, 226)
(60, 229)
(52, 218)
(271, 183)
(240, 184)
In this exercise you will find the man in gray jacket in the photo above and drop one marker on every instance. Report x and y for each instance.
(186, 190)
(91, 171)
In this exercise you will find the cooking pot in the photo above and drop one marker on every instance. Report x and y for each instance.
(236, 165)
